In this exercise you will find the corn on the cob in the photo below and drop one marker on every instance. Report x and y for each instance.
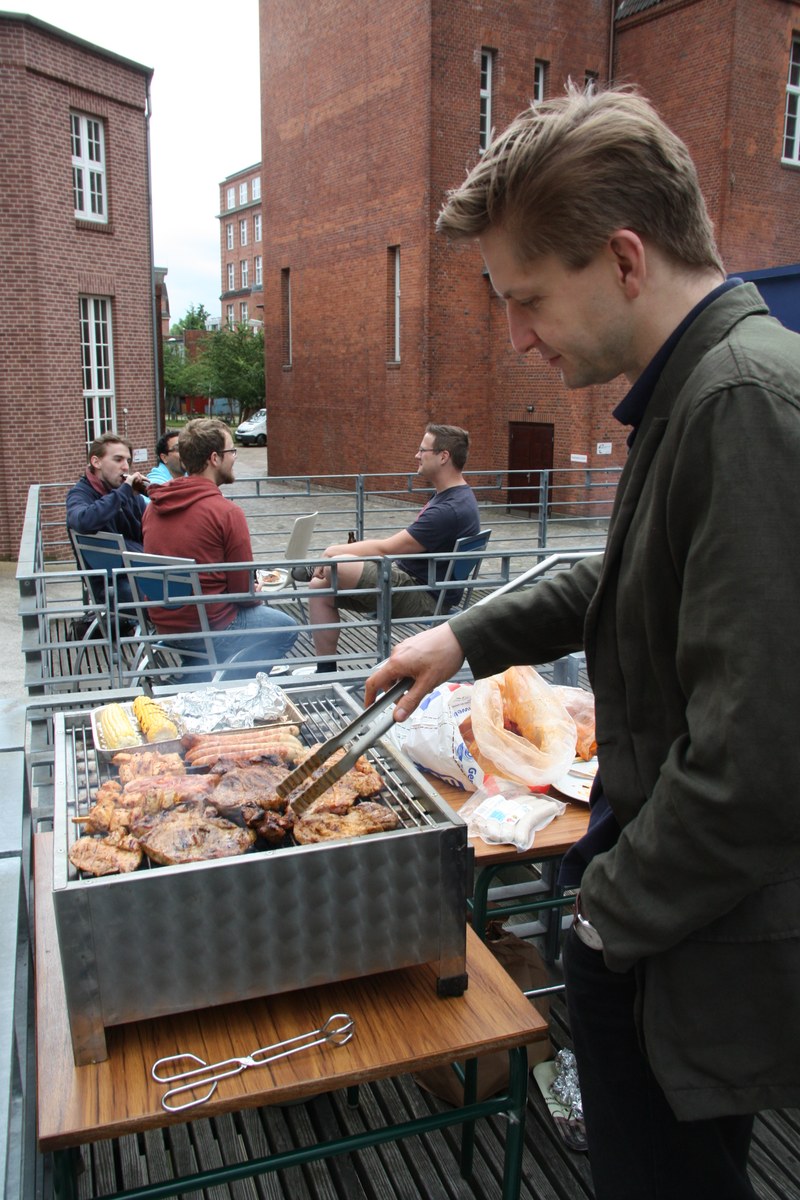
(156, 725)
(117, 728)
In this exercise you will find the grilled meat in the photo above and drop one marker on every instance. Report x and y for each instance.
(270, 825)
(146, 762)
(106, 856)
(154, 792)
(365, 818)
(185, 837)
(205, 749)
(253, 783)
(362, 778)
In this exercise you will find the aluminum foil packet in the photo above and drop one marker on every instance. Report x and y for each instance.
(210, 709)
(565, 1086)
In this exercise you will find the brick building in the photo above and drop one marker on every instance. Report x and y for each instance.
(75, 257)
(241, 247)
(371, 112)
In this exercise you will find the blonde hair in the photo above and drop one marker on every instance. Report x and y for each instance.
(569, 171)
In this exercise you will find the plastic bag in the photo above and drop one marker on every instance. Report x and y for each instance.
(580, 706)
(507, 813)
(519, 729)
(432, 740)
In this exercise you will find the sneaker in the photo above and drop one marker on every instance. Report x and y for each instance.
(302, 574)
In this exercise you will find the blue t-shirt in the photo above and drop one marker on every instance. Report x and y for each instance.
(448, 516)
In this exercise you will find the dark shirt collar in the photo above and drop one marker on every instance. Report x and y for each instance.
(631, 410)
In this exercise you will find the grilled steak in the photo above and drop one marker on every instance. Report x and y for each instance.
(183, 837)
(106, 856)
(362, 819)
(254, 783)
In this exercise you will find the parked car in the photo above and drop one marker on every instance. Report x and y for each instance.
(253, 431)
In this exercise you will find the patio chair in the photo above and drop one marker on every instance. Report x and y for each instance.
(102, 551)
(169, 583)
(461, 570)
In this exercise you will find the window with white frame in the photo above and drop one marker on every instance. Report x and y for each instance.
(243, 192)
(88, 168)
(229, 314)
(255, 188)
(539, 80)
(243, 312)
(243, 233)
(229, 235)
(97, 362)
(791, 125)
(286, 317)
(257, 270)
(231, 279)
(231, 197)
(243, 273)
(487, 64)
(257, 227)
(393, 305)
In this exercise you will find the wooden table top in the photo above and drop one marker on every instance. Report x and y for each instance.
(555, 839)
(401, 1025)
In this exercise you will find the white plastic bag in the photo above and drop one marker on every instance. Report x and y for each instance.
(432, 740)
(519, 729)
(506, 813)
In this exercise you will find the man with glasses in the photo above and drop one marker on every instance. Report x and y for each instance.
(450, 514)
(169, 459)
(192, 519)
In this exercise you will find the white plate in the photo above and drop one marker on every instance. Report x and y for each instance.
(272, 579)
(577, 783)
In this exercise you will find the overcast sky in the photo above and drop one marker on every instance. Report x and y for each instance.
(205, 121)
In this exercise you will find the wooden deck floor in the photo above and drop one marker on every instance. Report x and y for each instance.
(419, 1168)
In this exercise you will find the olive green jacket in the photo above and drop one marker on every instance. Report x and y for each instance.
(691, 626)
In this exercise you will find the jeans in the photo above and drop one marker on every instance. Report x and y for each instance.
(638, 1149)
(263, 632)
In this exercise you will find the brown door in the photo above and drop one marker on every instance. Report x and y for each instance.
(530, 451)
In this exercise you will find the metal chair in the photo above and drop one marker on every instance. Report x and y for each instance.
(460, 569)
(167, 582)
(101, 551)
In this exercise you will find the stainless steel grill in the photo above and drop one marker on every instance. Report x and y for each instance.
(170, 939)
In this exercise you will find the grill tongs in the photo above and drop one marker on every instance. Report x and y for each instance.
(366, 728)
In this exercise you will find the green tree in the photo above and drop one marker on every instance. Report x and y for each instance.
(235, 362)
(185, 377)
(195, 318)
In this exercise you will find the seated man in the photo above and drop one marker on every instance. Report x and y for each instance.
(191, 518)
(450, 514)
(109, 498)
(169, 460)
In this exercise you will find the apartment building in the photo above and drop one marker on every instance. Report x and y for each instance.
(241, 247)
(75, 258)
(376, 324)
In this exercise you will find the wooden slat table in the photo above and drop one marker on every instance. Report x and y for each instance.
(401, 1026)
(550, 845)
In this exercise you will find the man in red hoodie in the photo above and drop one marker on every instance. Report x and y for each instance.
(191, 518)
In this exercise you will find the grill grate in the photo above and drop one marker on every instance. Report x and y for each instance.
(324, 708)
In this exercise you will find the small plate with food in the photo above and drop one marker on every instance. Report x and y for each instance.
(271, 579)
(577, 783)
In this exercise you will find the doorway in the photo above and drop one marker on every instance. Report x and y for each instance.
(530, 451)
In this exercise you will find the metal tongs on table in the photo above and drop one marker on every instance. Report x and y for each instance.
(365, 729)
(338, 1030)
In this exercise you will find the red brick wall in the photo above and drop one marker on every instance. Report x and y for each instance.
(48, 259)
(370, 114)
(718, 78)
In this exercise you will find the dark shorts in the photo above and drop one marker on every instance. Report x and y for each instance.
(405, 603)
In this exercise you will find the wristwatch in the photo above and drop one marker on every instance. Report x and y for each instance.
(585, 929)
